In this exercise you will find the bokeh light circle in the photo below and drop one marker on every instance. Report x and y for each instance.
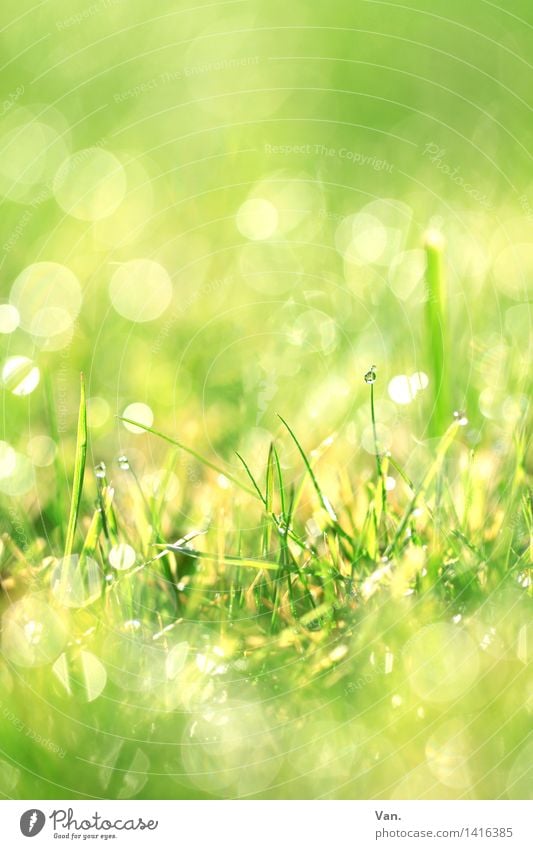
(90, 184)
(442, 662)
(140, 290)
(48, 298)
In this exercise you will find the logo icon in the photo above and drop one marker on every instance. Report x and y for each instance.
(32, 822)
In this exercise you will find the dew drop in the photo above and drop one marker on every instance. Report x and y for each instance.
(370, 376)
(460, 418)
(123, 463)
(100, 470)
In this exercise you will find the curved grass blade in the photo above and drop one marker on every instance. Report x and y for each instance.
(233, 560)
(436, 333)
(79, 470)
(192, 452)
(321, 497)
(254, 483)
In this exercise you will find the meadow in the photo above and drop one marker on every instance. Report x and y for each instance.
(265, 385)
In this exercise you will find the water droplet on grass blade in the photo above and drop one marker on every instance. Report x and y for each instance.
(100, 470)
(32, 633)
(460, 418)
(370, 376)
(123, 463)
(76, 581)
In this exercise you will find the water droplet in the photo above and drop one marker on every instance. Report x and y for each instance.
(100, 470)
(123, 463)
(460, 418)
(370, 376)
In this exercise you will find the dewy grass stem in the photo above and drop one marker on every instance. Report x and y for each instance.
(436, 333)
(370, 377)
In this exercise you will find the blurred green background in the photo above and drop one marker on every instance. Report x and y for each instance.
(218, 213)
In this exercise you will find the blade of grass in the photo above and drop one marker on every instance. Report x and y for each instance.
(436, 332)
(253, 480)
(79, 470)
(225, 558)
(321, 497)
(433, 470)
(192, 452)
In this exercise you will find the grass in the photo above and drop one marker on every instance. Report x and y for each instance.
(288, 647)
(286, 580)
(79, 471)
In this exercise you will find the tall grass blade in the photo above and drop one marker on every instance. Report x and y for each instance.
(436, 333)
(79, 470)
(192, 453)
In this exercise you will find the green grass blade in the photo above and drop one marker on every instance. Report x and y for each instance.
(192, 453)
(321, 497)
(252, 562)
(436, 334)
(79, 470)
(253, 480)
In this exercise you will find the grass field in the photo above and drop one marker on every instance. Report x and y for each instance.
(276, 541)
